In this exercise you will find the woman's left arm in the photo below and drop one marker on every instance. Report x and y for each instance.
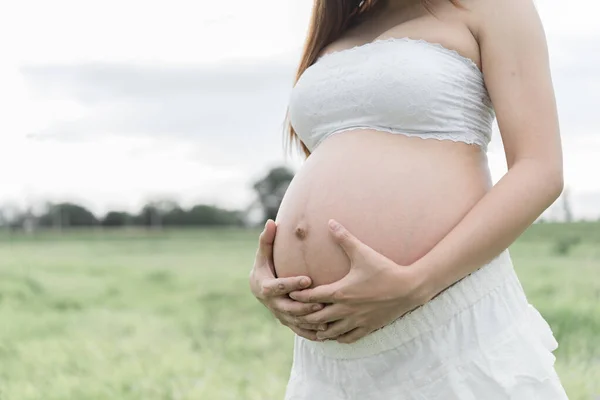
(516, 70)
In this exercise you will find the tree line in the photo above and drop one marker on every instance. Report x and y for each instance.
(269, 191)
(67, 215)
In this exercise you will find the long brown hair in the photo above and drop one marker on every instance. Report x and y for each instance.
(329, 20)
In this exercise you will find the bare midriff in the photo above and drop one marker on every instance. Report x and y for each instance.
(399, 195)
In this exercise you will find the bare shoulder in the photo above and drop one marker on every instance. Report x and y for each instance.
(512, 18)
(511, 38)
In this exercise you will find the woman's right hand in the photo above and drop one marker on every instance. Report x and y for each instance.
(273, 292)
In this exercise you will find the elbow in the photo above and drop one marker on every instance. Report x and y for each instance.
(545, 173)
(561, 183)
(555, 182)
(548, 178)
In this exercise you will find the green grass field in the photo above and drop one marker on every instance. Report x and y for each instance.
(141, 315)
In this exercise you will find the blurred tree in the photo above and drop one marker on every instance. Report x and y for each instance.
(65, 215)
(116, 218)
(271, 189)
(149, 216)
(203, 214)
(154, 213)
(169, 213)
(176, 216)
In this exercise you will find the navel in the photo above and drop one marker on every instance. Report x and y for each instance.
(301, 231)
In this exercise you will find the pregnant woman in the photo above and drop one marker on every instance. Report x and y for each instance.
(388, 257)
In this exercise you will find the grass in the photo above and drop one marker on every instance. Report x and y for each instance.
(167, 315)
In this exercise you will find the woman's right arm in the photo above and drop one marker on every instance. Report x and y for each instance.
(273, 292)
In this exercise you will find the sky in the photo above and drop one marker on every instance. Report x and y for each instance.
(114, 103)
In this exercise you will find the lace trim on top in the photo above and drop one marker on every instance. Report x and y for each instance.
(451, 52)
(458, 137)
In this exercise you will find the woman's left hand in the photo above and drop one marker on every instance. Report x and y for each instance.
(374, 293)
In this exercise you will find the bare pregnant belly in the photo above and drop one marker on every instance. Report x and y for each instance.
(399, 195)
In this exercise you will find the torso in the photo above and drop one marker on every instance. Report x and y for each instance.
(398, 194)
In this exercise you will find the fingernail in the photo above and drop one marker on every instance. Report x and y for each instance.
(322, 327)
(317, 307)
(334, 225)
(304, 282)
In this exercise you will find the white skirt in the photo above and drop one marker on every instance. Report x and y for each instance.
(480, 339)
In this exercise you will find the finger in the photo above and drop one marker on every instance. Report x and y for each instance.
(282, 286)
(266, 239)
(331, 313)
(294, 308)
(313, 327)
(353, 335)
(299, 309)
(321, 294)
(348, 242)
(257, 278)
(336, 329)
(305, 333)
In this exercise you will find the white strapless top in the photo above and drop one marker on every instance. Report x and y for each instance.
(397, 85)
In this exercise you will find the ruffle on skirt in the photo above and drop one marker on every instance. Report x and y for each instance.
(519, 365)
(478, 340)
